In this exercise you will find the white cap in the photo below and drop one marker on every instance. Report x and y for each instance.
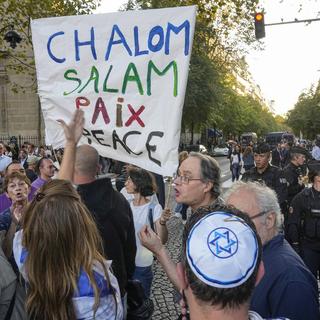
(222, 250)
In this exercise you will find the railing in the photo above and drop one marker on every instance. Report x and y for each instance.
(20, 140)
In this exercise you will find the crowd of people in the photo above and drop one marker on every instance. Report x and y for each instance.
(75, 247)
(241, 156)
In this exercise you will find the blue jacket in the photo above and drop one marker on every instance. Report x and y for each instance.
(5, 220)
(288, 289)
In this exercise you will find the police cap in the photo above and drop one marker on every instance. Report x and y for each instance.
(262, 148)
(299, 150)
(314, 166)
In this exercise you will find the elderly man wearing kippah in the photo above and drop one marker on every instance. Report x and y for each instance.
(288, 288)
(221, 263)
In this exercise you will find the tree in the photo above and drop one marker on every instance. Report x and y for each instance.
(304, 116)
(19, 13)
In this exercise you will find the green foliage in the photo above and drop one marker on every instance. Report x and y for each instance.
(201, 92)
(305, 115)
(19, 13)
(214, 97)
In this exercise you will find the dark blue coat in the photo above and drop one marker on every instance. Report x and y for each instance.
(288, 289)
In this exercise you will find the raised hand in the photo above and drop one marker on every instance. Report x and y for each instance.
(17, 213)
(165, 216)
(150, 239)
(74, 129)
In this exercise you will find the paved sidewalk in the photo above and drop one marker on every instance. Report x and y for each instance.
(162, 289)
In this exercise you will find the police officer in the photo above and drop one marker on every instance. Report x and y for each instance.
(294, 171)
(263, 171)
(303, 225)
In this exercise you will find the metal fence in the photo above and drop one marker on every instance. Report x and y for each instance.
(20, 140)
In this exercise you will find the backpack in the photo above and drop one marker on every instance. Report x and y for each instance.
(139, 306)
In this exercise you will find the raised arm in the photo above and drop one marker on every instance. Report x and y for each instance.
(161, 225)
(72, 132)
(152, 241)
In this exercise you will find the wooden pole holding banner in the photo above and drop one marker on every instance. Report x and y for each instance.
(53, 152)
(56, 163)
(169, 192)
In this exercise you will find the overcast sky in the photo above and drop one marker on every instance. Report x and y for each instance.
(291, 59)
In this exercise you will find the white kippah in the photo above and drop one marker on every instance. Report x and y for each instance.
(222, 250)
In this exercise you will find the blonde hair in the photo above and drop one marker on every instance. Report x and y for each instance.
(61, 238)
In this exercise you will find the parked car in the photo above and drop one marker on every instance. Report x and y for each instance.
(196, 148)
(221, 150)
(203, 149)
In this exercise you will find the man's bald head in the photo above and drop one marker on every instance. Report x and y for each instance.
(87, 161)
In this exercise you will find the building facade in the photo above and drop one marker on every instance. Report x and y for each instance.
(20, 112)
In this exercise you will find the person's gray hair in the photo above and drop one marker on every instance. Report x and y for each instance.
(210, 171)
(265, 197)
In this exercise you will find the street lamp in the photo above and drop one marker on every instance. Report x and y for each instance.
(12, 36)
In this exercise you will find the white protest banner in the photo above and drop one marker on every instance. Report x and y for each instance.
(127, 71)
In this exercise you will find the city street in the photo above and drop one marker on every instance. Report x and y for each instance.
(162, 290)
(224, 164)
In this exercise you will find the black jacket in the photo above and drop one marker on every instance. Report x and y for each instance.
(114, 219)
(303, 225)
(292, 173)
(276, 158)
(273, 178)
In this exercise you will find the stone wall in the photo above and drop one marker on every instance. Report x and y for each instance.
(19, 111)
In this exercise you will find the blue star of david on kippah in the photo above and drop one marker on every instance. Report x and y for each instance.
(222, 242)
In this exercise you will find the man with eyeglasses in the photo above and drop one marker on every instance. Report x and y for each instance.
(288, 289)
(197, 184)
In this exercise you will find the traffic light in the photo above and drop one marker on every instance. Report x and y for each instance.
(259, 25)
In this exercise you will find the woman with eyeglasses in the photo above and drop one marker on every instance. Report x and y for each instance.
(5, 201)
(17, 187)
(59, 254)
(141, 184)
